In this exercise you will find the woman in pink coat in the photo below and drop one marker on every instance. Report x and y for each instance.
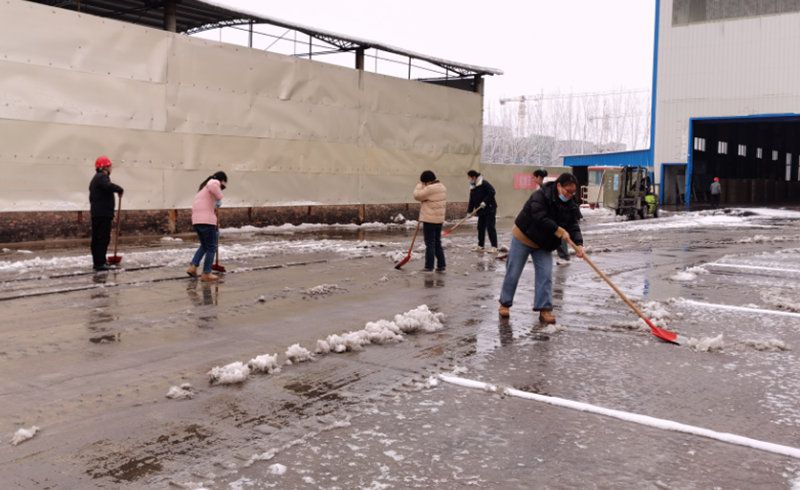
(433, 196)
(204, 222)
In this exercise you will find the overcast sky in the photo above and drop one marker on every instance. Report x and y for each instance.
(541, 45)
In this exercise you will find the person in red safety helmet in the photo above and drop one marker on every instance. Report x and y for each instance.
(101, 201)
(716, 192)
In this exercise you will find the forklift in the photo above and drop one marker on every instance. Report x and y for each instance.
(636, 198)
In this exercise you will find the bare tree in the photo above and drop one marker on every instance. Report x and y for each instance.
(540, 129)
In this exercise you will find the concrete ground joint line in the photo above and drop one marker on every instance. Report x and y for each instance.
(645, 420)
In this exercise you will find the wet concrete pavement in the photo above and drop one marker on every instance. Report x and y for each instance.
(89, 359)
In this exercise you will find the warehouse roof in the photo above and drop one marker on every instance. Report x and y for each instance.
(194, 16)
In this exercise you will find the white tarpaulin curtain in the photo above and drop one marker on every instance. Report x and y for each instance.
(169, 110)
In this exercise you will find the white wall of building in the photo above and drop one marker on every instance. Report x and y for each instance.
(733, 67)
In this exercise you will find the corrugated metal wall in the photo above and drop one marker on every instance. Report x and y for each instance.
(170, 109)
(722, 68)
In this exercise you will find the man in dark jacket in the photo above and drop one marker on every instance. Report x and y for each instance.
(548, 217)
(101, 200)
(481, 197)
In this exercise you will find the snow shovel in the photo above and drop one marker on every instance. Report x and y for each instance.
(470, 215)
(661, 333)
(216, 267)
(405, 259)
(116, 259)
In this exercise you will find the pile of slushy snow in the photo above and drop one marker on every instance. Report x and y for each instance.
(181, 392)
(383, 331)
(689, 274)
(706, 344)
(781, 300)
(296, 354)
(322, 289)
(420, 319)
(264, 363)
(399, 255)
(22, 435)
(235, 372)
(766, 344)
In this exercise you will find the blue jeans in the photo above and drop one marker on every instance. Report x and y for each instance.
(207, 248)
(543, 266)
(433, 245)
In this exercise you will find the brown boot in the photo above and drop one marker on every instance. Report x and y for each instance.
(192, 270)
(504, 311)
(547, 317)
(209, 277)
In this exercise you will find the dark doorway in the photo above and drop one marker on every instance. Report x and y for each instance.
(756, 159)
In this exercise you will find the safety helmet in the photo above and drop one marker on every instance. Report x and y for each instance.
(102, 162)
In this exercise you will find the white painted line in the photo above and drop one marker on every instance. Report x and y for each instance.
(758, 311)
(630, 417)
(753, 267)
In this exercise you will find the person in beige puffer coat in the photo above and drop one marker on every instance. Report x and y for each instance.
(433, 196)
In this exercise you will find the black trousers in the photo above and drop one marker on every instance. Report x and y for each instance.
(486, 222)
(433, 245)
(101, 236)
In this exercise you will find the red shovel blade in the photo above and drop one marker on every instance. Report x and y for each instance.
(218, 268)
(663, 334)
(403, 262)
(446, 232)
(114, 259)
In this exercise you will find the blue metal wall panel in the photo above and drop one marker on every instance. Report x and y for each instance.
(636, 158)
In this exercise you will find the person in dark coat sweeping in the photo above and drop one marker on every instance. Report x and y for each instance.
(101, 201)
(482, 197)
(548, 217)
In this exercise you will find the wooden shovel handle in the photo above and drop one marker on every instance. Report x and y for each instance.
(613, 286)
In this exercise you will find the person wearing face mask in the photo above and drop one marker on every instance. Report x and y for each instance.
(481, 197)
(204, 222)
(548, 217)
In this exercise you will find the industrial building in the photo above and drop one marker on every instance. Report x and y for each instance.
(725, 103)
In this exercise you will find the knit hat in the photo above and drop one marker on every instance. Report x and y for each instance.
(427, 176)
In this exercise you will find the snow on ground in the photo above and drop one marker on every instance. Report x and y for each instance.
(383, 331)
(323, 289)
(312, 227)
(175, 257)
(689, 274)
(22, 435)
(276, 469)
(233, 373)
(707, 344)
(265, 363)
(766, 344)
(646, 420)
(684, 276)
(551, 329)
(768, 239)
(682, 221)
(296, 354)
(182, 392)
(780, 299)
